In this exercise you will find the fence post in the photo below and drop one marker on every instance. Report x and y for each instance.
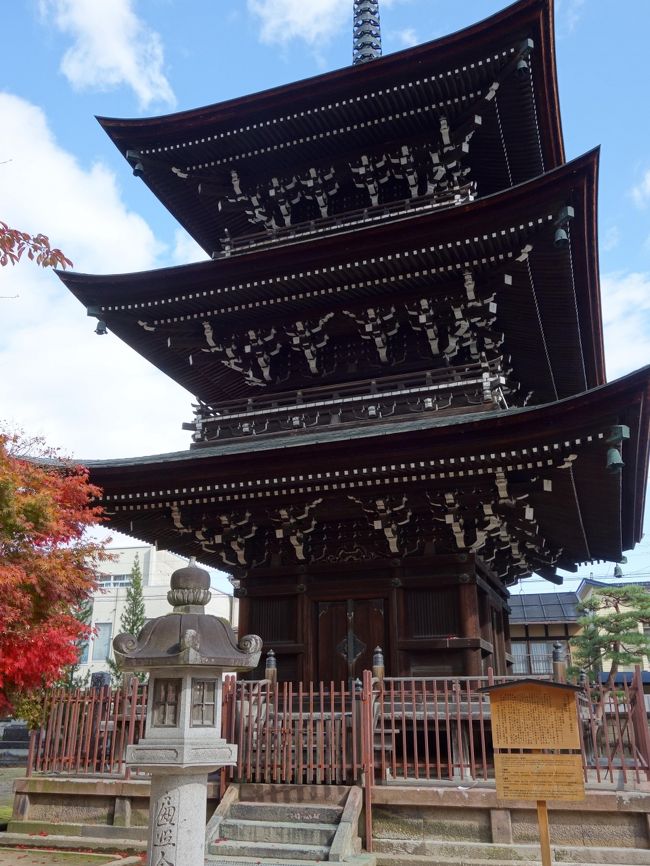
(641, 729)
(227, 711)
(559, 662)
(378, 665)
(367, 751)
(31, 752)
(271, 667)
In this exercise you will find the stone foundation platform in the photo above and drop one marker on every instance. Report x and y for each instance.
(408, 820)
(438, 821)
(89, 807)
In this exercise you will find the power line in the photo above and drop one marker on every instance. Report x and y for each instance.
(627, 577)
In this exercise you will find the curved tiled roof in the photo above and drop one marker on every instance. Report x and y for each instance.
(338, 114)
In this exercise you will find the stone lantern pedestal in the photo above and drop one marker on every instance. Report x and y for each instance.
(186, 653)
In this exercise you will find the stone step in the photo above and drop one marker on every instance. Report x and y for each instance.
(427, 860)
(396, 851)
(216, 860)
(304, 813)
(292, 833)
(282, 853)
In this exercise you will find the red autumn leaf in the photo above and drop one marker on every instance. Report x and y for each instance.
(14, 243)
(47, 567)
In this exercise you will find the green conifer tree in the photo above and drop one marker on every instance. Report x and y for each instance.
(612, 630)
(133, 619)
(72, 678)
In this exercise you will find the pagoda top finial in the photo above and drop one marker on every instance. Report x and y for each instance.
(366, 31)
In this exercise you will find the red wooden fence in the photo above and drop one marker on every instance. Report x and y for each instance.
(614, 733)
(433, 729)
(426, 729)
(294, 734)
(87, 731)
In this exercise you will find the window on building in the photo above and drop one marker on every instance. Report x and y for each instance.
(534, 656)
(520, 657)
(110, 581)
(165, 702)
(541, 656)
(203, 703)
(102, 641)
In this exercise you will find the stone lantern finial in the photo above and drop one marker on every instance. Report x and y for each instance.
(190, 588)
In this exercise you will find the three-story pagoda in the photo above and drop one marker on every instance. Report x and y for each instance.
(396, 352)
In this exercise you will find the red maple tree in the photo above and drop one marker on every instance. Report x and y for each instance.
(47, 566)
(14, 243)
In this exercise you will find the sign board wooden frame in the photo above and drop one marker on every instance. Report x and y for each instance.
(542, 717)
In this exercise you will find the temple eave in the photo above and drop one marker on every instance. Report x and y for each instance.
(288, 137)
(545, 490)
(505, 241)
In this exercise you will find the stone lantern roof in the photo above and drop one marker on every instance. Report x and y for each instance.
(187, 635)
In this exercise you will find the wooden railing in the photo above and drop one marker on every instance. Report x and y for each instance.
(294, 734)
(86, 731)
(433, 729)
(477, 383)
(614, 732)
(376, 732)
(322, 225)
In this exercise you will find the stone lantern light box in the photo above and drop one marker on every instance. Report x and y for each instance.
(186, 653)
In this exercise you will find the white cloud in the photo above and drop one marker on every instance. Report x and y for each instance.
(90, 395)
(626, 320)
(641, 192)
(314, 21)
(186, 249)
(111, 47)
(407, 37)
(569, 13)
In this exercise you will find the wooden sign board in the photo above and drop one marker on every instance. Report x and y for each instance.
(539, 777)
(534, 716)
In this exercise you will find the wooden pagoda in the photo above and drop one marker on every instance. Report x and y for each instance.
(396, 353)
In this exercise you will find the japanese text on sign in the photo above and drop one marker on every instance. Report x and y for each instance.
(534, 718)
(539, 777)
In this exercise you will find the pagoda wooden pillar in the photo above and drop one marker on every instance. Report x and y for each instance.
(470, 624)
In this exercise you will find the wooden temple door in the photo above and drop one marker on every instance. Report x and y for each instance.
(348, 632)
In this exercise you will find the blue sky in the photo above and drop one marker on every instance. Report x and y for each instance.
(64, 61)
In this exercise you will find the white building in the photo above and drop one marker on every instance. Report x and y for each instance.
(157, 567)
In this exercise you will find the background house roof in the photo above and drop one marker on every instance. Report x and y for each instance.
(544, 607)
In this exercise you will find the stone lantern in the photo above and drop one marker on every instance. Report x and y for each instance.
(186, 653)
